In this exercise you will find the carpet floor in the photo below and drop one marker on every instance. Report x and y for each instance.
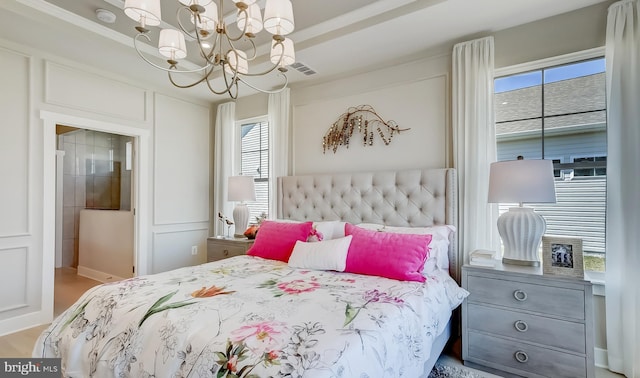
(441, 370)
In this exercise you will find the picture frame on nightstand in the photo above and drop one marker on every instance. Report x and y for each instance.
(562, 256)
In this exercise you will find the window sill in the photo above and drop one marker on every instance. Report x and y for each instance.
(598, 282)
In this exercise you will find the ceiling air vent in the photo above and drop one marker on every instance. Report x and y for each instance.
(301, 67)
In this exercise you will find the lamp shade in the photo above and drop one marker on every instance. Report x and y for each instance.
(241, 188)
(278, 17)
(252, 18)
(146, 12)
(522, 181)
(289, 56)
(195, 2)
(208, 18)
(171, 44)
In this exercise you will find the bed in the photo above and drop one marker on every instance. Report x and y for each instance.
(277, 316)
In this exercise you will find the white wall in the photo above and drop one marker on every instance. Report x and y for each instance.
(418, 107)
(579, 30)
(172, 196)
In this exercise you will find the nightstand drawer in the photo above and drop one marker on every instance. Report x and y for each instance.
(528, 358)
(561, 334)
(223, 253)
(218, 249)
(551, 300)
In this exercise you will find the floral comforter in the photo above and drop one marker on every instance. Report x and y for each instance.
(250, 317)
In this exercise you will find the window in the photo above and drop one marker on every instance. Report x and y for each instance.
(254, 161)
(559, 113)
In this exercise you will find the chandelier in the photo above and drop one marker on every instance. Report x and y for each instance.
(223, 53)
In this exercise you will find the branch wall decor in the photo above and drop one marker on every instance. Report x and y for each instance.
(365, 121)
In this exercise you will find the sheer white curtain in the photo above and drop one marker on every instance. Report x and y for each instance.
(474, 142)
(279, 140)
(623, 187)
(224, 150)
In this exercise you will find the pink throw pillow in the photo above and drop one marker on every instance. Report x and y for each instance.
(397, 256)
(275, 240)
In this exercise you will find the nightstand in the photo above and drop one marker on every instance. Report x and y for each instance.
(518, 321)
(221, 248)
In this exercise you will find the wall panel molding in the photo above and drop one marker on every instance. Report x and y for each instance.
(73, 88)
(14, 270)
(172, 249)
(161, 232)
(181, 161)
(15, 157)
(421, 105)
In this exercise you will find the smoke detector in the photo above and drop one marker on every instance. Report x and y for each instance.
(105, 16)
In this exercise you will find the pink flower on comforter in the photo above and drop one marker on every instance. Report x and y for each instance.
(263, 337)
(298, 286)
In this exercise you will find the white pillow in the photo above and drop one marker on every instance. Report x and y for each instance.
(439, 253)
(330, 229)
(324, 255)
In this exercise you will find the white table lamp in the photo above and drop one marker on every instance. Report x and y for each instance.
(241, 189)
(521, 228)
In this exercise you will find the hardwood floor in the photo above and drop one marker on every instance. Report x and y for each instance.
(68, 288)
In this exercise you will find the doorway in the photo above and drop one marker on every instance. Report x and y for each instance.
(140, 188)
(94, 204)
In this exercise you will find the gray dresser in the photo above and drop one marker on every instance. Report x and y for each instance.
(518, 322)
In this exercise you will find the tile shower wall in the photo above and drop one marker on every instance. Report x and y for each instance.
(95, 176)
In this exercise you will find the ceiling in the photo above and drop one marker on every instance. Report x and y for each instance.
(332, 37)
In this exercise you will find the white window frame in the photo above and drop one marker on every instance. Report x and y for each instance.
(596, 52)
(237, 158)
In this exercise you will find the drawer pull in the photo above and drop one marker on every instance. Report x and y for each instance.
(226, 252)
(520, 295)
(521, 356)
(521, 326)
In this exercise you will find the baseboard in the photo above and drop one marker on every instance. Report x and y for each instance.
(22, 322)
(601, 358)
(97, 275)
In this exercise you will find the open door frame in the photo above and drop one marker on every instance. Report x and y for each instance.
(140, 201)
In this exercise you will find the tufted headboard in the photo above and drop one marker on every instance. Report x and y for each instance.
(405, 198)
